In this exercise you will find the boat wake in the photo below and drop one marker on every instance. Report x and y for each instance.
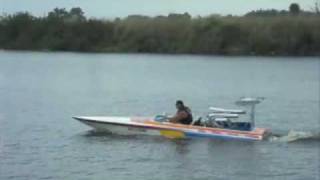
(295, 136)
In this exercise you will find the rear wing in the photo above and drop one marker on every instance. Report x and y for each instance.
(228, 111)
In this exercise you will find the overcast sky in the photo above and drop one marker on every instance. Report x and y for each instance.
(121, 8)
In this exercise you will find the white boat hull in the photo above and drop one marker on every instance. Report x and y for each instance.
(119, 129)
(147, 126)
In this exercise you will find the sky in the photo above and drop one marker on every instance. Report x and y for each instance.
(123, 8)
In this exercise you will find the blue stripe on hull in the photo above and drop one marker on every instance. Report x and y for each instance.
(217, 136)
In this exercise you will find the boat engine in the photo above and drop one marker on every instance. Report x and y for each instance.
(226, 118)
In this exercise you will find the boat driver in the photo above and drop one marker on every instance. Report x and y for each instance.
(183, 115)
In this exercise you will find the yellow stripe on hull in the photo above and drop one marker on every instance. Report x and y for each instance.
(172, 134)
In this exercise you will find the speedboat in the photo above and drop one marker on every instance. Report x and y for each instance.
(219, 123)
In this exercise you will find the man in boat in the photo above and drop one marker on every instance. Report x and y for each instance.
(183, 115)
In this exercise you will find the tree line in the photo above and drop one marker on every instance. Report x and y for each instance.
(261, 32)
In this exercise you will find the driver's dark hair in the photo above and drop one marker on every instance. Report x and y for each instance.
(179, 102)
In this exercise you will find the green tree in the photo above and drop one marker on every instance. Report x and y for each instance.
(58, 13)
(294, 8)
(316, 8)
(77, 14)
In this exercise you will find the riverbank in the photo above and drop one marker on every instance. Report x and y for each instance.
(257, 33)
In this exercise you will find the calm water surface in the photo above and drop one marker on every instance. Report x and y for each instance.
(40, 92)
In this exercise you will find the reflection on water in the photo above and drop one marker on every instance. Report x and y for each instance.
(182, 145)
(94, 133)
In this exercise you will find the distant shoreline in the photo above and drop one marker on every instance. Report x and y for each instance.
(150, 53)
(258, 33)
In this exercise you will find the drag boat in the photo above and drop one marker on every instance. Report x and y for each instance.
(219, 123)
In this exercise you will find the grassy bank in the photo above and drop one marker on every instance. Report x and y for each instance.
(267, 32)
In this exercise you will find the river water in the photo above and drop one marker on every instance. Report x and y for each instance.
(40, 92)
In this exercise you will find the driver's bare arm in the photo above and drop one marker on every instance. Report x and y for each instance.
(178, 117)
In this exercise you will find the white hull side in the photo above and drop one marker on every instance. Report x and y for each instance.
(121, 130)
